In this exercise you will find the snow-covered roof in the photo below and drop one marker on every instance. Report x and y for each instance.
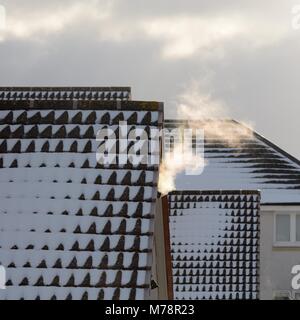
(71, 228)
(214, 238)
(64, 93)
(237, 158)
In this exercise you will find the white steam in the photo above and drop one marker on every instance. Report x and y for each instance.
(201, 112)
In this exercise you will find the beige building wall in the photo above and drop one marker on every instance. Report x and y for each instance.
(276, 262)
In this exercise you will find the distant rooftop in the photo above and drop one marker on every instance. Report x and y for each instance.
(237, 158)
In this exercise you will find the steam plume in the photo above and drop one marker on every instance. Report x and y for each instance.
(204, 113)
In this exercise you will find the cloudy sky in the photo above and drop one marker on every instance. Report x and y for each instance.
(243, 55)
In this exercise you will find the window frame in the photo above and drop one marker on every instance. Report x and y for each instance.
(293, 230)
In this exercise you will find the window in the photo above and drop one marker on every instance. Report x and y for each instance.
(287, 229)
(283, 228)
(298, 227)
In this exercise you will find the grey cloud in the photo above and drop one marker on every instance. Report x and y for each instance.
(259, 84)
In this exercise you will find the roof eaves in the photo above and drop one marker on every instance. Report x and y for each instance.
(284, 204)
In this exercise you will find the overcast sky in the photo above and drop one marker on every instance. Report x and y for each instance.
(244, 55)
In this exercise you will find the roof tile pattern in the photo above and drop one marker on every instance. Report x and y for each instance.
(72, 228)
(238, 158)
(215, 244)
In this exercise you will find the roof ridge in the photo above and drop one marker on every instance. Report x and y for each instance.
(63, 88)
(64, 93)
(270, 143)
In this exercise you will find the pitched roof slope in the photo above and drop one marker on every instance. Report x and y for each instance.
(72, 228)
(214, 239)
(238, 158)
